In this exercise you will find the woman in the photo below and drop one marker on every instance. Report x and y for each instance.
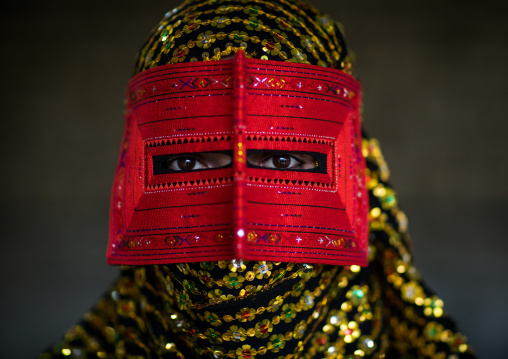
(242, 162)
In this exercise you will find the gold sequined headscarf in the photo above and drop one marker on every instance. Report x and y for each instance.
(284, 30)
(262, 310)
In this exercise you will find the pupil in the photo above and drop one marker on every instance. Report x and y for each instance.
(186, 163)
(282, 161)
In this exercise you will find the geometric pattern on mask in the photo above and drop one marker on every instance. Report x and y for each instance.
(153, 184)
(153, 181)
(322, 146)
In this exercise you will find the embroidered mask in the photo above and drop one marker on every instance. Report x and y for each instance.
(242, 158)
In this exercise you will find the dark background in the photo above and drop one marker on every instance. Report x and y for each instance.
(436, 83)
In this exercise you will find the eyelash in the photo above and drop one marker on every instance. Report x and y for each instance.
(280, 154)
(171, 160)
(266, 159)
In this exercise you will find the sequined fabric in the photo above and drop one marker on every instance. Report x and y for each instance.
(247, 310)
(273, 30)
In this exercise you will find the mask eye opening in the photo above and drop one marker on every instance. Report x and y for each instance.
(311, 162)
(210, 160)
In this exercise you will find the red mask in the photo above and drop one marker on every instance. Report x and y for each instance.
(240, 159)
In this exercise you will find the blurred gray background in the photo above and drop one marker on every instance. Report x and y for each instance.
(436, 83)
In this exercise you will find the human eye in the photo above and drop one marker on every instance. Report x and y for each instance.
(282, 160)
(183, 163)
(192, 161)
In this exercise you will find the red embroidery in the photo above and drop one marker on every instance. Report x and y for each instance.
(240, 212)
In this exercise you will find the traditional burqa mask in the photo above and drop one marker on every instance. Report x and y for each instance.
(247, 157)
